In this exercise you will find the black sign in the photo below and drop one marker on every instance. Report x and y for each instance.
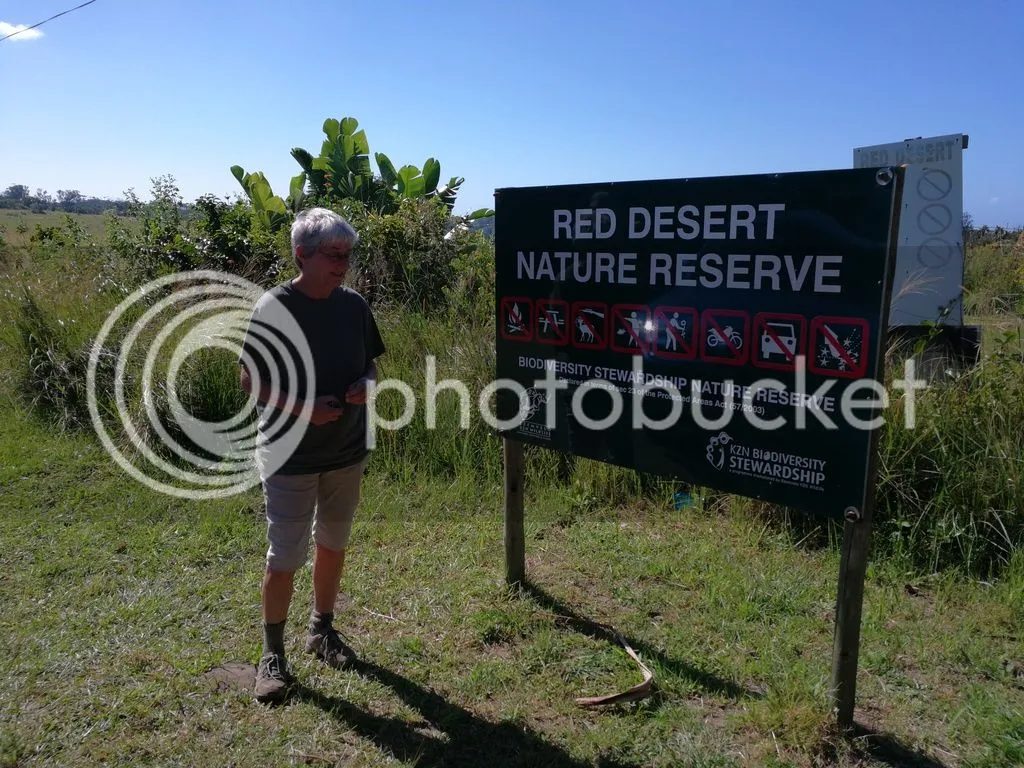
(724, 331)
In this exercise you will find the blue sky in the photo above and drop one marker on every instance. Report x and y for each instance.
(508, 94)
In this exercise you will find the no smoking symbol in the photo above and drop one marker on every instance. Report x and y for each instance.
(934, 218)
(934, 184)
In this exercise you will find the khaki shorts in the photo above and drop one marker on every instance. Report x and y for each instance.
(323, 503)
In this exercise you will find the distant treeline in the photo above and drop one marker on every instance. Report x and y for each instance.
(20, 197)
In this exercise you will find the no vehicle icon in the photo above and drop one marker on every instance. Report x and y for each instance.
(779, 338)
(724, 336)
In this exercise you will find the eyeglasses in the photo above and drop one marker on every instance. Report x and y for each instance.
(337, 254)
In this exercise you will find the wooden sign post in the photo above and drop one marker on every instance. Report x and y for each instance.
(849, 601)
(515, 537)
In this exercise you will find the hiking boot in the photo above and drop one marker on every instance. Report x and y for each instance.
(272, 679)
(327, 645)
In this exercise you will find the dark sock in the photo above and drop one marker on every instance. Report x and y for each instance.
(318, 622)
(273, 638)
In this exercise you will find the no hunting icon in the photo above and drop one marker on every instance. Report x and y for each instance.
(589, 324)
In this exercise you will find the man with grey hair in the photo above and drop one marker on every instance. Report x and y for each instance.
(316, 488)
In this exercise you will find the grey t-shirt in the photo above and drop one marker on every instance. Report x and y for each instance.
(343, 340)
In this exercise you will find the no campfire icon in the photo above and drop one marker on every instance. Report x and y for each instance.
(516, 321)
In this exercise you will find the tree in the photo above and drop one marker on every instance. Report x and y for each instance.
(341, 172)
(68, 198)
(967, 223)
(16, 192)
(41, 201)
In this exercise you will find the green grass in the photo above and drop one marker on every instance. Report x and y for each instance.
(17, 227)
(994, 278)
(118, 602)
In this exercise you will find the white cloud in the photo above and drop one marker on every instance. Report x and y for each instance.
(993, 200)
(9, 29)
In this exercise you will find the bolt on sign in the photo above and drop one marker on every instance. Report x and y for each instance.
(720, 331)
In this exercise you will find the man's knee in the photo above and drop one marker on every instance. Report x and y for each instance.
(334, 551)
(286, 560)
(277, 574)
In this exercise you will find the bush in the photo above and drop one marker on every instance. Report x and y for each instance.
(404, 258)
(152, 240)
(229, 237)
(166, 236)
(51, 374)
(207, 388)
(951, 490)
(994, 278)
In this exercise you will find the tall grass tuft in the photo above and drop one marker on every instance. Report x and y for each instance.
(51, 370)
(951, 490)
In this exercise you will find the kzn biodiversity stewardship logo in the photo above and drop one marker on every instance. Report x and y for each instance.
(725, 454)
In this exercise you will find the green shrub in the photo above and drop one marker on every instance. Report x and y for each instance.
(165, 236)
(152, 239)
(951, 490)
(404, 258)
(207, 389)
(229, 237)
(994, 277)
(51, 370)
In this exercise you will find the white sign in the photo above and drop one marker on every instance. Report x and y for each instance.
(928, 286)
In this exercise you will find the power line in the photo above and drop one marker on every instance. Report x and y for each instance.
(26, 29)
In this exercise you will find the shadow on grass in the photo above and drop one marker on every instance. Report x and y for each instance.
(449, 735)
(885, 748)
(709, 682)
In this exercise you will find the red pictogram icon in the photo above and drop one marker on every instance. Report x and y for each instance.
(839, 346)
(724, 336)
(589, 324)
(516, 321)
(551, 325)
(630, 328)
(675, 332)
(779, 338)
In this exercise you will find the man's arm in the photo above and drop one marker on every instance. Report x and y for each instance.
(325, 408)
(356, 394)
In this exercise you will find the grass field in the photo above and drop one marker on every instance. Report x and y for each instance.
(17, 227)
(125, 613)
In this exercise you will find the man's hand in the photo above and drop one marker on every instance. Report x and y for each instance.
(356, 394)
(326, 408)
